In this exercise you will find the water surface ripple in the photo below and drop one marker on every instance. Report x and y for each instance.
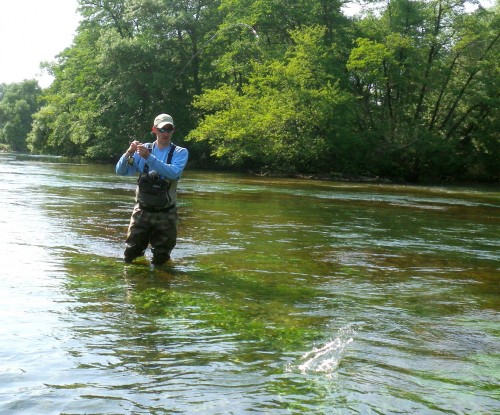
(284, 296)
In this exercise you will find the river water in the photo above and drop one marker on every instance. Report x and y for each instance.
(283, 297)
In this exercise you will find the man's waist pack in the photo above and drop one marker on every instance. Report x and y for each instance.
(152, 190)
(152, 184)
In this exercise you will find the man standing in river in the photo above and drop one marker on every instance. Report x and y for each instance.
(154, 218)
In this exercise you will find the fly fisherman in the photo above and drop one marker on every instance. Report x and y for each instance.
(154, 218)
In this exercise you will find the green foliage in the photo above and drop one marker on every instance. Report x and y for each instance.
(410, 92)
(68, 123)
(421, 81)
(286, 118)
(18, 103)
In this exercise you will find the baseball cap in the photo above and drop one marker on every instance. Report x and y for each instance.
(162, 120)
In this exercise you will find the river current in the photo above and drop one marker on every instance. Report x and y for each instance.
(283, 297)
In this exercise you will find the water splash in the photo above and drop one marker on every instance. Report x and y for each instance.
(326, 358)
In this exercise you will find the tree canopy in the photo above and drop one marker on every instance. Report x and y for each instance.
(18, 103)
(409, 90)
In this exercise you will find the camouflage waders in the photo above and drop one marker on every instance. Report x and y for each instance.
(157, 227)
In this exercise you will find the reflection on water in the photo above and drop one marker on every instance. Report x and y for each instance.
(284, 296)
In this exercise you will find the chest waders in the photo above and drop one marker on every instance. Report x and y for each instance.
(153, 191)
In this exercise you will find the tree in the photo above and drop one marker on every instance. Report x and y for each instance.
(69, 122)
(411, 92)
(421, 79)
(123, 68)
(18, 103)
(288, 117)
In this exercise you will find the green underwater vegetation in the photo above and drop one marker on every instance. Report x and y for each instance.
(240, 304)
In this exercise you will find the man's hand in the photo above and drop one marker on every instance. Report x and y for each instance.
(133, 147)
(143, 151)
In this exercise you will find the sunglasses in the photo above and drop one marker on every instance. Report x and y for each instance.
(166, 129)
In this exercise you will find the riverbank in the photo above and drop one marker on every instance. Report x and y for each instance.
(330, 176)
(374, 179)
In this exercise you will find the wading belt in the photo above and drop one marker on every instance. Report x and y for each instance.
(155, 209)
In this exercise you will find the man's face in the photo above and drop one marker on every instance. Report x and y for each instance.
(165, 132)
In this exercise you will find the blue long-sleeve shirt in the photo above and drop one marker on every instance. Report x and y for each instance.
(157, 160)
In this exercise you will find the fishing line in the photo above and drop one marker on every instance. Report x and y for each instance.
(218, 32)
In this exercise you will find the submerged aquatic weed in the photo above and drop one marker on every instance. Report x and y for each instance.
(227, 316)
(159, 301)
(242, 304)
(92, 276)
